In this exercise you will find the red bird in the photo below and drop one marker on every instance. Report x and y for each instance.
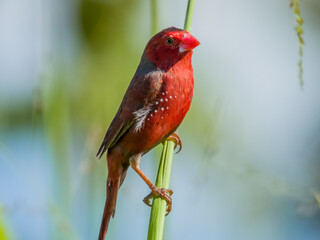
(156, 102)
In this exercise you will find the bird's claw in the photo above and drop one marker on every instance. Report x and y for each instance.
(176, 139)
(163, 193)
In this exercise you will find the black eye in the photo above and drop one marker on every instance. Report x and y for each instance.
(169, 41)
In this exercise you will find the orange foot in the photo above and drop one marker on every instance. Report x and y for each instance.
(162, 193)
(176, 139)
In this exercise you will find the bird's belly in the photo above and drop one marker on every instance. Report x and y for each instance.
(165, 115)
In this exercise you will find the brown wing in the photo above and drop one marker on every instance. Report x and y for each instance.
(143, 88)
(117, 128)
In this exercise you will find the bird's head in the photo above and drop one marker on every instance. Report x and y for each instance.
(169, 46)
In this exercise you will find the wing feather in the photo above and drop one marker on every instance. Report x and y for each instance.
(117, 128)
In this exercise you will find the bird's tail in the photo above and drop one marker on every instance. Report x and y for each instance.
(116, 175)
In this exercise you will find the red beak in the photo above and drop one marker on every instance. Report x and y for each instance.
(188, 42)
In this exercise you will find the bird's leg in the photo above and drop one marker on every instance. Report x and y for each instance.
(155, 191)
(176, 139)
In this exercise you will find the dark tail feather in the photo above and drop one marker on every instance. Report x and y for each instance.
(117, 169)
(110, 205)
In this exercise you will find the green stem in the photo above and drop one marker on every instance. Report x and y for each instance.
(154, 17)
(189, 15)
(158, 210)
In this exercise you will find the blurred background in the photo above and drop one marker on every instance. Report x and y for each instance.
(250, 165)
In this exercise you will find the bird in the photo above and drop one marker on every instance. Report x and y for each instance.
(154, 105)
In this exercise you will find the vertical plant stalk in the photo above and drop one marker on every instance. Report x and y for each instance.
(296, 8)
(158, 210)
(189, 15)
(154, 17)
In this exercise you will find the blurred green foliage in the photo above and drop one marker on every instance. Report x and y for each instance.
(77, 99)
(4, 230)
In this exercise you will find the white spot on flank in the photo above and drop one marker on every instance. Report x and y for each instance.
(170, 97)
(167, 107)
(140, 117)
(161, 100)
(166, 92)
(162, 109)
(151, 115)
(163, 93)
(155, 111)
(166, 99)
(161, 117)
(157, 103)
(148, 119)
(175, 96)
